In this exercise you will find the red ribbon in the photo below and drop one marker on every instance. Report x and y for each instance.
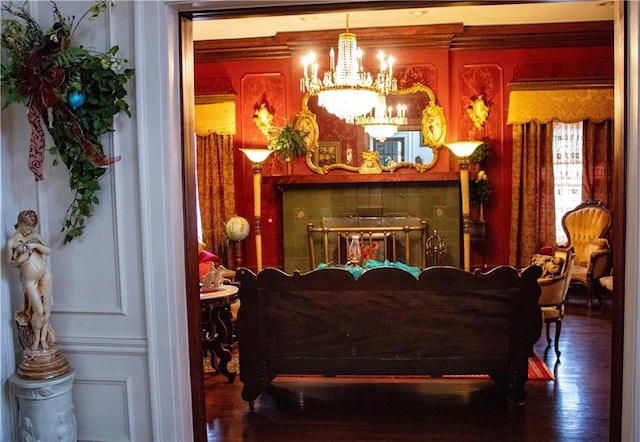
(39, 83)
(36, 142)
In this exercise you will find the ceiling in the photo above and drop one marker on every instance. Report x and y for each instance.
(265, 25)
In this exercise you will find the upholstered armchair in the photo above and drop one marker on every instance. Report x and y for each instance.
(554, 285)
(586, 226)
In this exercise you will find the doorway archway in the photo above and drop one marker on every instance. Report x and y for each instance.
(619, 206)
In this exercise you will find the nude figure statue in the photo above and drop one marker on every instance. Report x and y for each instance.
(26, 250)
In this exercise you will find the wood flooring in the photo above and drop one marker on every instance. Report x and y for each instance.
(574, 407)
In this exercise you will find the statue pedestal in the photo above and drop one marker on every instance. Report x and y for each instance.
(45, 408)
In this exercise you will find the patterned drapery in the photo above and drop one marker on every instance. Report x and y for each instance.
(533, 107)
(216, 192)
(215, 114)
(567, 105)
(532, 198)
(597, 156)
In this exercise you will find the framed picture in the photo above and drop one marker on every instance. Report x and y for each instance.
(327, 153)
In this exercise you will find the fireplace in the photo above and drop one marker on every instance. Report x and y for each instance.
(436, 202)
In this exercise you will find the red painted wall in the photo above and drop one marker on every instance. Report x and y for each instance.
(457, 77)
(491, 72)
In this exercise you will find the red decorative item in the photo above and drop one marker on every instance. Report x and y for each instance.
(205, 261)
(370, 250)
(207, 256)
(546, 250)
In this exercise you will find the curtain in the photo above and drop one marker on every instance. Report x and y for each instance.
(559, 101)
(532, 108)
(532, 198)
(597, 156)
(216, 191)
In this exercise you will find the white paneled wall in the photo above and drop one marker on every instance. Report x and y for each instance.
(118, 310)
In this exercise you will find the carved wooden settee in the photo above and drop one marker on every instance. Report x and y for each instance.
(387, 322)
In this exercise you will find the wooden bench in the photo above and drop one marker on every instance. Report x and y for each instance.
(387, 322)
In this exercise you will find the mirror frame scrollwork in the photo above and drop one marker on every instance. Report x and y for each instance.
(433, 128)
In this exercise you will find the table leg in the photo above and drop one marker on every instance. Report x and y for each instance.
(221, 333)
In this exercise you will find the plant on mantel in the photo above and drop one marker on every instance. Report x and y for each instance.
(74, 90)
(289, 143)
(286, 142)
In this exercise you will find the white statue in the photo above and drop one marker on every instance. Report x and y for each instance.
(26, 251)
(213, 279)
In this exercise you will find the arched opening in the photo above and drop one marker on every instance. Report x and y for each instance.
(619, 204)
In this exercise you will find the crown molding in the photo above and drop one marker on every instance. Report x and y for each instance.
(453, 36)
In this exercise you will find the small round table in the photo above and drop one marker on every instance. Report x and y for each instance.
(218, 306)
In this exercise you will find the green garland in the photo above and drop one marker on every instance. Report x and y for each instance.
(482, 153)
(289, 143)
(78, 93)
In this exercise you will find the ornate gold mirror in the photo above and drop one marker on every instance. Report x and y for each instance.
(334, 144)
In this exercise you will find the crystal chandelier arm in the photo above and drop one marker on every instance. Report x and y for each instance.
(349, 91)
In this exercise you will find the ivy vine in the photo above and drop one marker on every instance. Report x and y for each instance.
(75, 91)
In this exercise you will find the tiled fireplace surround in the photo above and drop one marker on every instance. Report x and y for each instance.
(436, 202)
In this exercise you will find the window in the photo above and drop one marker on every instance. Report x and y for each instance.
(567, 171)
(392, 149)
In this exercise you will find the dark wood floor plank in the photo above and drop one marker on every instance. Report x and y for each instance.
(573, 407)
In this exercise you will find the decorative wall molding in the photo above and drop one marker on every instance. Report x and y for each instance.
(549, 35)
(450, 36)
(95, 397)
(102, 346)
(596, 72)
(486, 80)
(560, 85)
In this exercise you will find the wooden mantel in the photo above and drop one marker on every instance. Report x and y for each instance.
(340, 177)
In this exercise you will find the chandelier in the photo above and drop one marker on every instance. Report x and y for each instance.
(382, 124)
(346, 89)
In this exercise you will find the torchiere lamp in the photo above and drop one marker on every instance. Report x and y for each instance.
(257, 157)
(464, 149)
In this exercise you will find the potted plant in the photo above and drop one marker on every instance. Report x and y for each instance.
(479, 191)
(289, 143)
(286, 142)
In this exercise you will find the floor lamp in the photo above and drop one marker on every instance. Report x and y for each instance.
(257, 156)
(463, 149)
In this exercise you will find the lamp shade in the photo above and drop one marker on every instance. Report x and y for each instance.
(256, 155)
(463, 149)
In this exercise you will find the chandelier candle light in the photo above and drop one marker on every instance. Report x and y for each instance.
(346, 89)
(382, 124)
